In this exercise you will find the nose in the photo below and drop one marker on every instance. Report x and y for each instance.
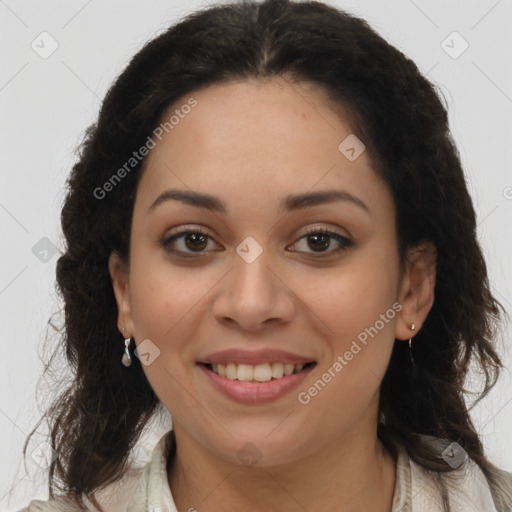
(254, 295)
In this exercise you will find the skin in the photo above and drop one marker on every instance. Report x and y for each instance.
(250, 144)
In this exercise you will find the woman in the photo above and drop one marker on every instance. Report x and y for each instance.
(272, 212)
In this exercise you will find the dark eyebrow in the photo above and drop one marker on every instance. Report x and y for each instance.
(192, 198)
(300, 201)
(292, 202)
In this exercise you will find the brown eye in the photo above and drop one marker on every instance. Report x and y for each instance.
(195, 241)
(321, 240)
(187, 243)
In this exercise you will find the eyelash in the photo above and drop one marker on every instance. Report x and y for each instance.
(344, 242)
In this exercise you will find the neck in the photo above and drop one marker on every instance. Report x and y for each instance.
(352, 473)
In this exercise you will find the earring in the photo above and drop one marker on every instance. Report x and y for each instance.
(413, 326)
(126, 359)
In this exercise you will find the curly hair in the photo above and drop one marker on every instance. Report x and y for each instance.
(97, 420)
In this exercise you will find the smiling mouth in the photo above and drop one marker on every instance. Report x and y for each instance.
(257, 373)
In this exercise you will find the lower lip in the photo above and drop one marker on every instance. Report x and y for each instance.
(256, 392)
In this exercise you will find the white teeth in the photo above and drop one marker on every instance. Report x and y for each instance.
(245, 372)
(259, 372)
(262, 372)
(231, 371)
(277, 370)
(288, 369)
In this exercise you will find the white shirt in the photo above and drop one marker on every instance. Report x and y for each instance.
(415, 488)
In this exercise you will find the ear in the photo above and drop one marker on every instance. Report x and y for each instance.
(120, 283)
(416, 293)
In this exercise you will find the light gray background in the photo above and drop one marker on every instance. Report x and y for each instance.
(45, 105)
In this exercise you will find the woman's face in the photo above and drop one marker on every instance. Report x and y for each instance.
(262, 286)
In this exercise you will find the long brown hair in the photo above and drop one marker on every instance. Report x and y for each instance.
(396, 111)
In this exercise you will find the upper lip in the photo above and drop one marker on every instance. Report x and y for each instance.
(253, 357)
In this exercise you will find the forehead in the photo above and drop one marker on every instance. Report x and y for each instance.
(255, 137)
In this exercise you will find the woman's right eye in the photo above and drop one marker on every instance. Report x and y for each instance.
(188, 243)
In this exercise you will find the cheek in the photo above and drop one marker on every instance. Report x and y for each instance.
(355, 305)
(162, 295)
(164, 299)
(352, 297)
(161, 304)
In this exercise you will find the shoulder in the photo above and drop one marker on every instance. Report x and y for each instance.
(113, 498)
(504, 499)
(117, 496)
(52, 505)
(467, 487)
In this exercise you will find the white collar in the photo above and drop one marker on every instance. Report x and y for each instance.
(415, 487)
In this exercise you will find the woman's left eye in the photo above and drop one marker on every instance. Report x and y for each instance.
(195, 242)
(319, 240)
